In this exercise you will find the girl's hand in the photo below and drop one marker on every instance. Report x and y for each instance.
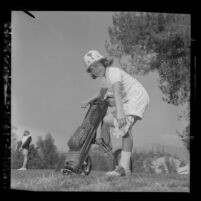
(122, 122)
(110, 98)
(111, 102)
(84, 105)
(109, 95)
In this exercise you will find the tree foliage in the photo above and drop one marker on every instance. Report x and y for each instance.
(145, 42)
(13, 138)
(48, 151)
(16, 157)
(35, 161)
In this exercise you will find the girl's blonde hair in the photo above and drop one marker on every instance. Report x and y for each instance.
(106, 62)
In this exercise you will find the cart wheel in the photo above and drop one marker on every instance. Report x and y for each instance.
(117, 156)
(86, 167)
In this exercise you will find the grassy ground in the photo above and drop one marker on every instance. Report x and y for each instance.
(48, 180)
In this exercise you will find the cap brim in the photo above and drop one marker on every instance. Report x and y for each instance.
(94, 63)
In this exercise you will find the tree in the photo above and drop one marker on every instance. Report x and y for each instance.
(16, 157)
(48, 151)
(61, 160)
(35, 161)
(145, 42)
(13, 138)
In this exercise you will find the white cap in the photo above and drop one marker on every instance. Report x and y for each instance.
(91, 57)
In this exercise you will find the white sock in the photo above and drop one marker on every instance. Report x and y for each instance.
(125, 160)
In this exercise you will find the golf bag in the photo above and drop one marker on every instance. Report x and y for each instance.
(77, 158)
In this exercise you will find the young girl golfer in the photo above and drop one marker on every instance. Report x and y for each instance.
(131, 101)
(26, 141)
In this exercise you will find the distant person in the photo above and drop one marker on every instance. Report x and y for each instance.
(131, 101)
(26, 141)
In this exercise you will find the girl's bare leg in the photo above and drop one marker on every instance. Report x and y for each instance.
(127, 142)
(25, 153)
(109, 120)
(105, 134)
(127, 147)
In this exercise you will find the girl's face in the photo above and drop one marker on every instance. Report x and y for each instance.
(25, 133)
(97, 69)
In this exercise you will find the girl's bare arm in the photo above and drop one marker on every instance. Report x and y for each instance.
(118, 100)
(85, 104)
(103, 92)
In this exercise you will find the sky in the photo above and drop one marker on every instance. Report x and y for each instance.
(49, 80)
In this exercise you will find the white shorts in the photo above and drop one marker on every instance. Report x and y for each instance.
(138, 105)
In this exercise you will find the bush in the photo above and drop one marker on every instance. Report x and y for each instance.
(16, 159)
(61, 160)
(142, 162)
(34, 159)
